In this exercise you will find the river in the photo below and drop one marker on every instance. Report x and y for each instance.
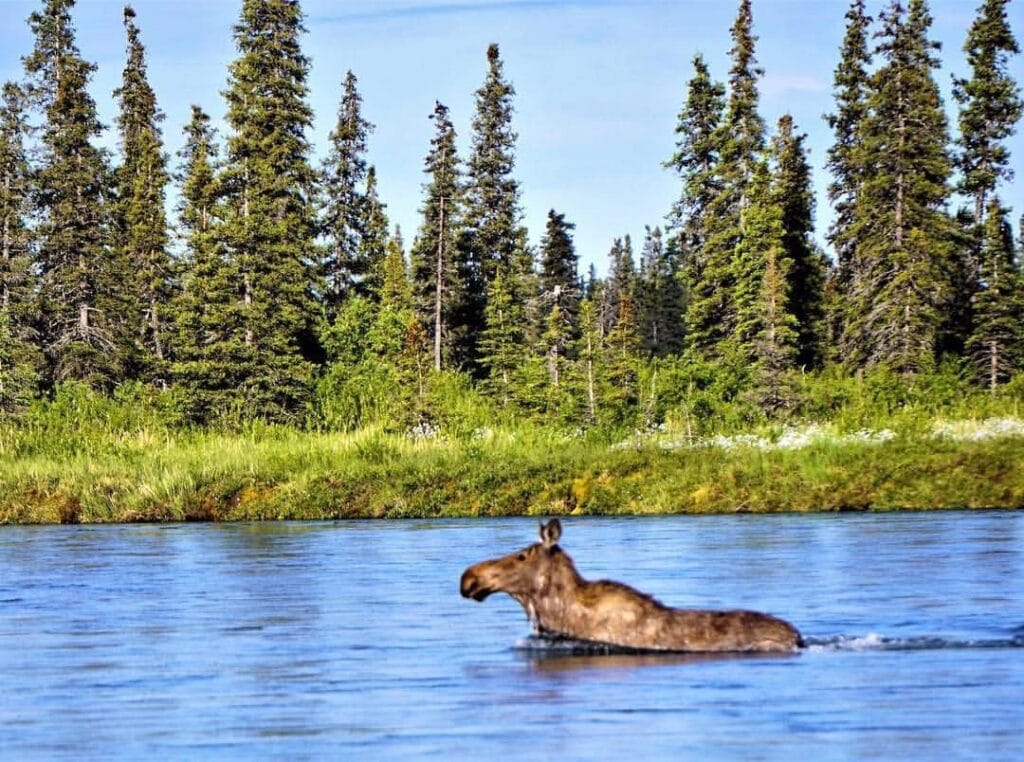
(350, 641)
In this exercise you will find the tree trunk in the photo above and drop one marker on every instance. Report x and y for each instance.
(439, 286)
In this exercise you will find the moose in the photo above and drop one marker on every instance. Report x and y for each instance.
(561, 604)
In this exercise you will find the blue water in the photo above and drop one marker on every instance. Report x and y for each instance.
(350, 641)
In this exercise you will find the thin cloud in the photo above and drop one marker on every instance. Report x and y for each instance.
(423, 10)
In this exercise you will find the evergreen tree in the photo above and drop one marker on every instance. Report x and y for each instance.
(767, 329)
(620, 285)
(141, 239)
(208, 347)
(434, 269)
(495, 239)
(503, 337)
(846, 161)
(904, 236)
(373, 245)
(18, 357)
(794, 193)
(765, 325)
(698, 144)
(344, 213)
(79, 277)
(270, 225)
(990, 106)
(559, 296)
(997, 341)
(588, 354)
(620, 358)
(558, 279)
(660, 299)
(711, 313)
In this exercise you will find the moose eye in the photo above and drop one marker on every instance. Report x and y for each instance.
(522, 556)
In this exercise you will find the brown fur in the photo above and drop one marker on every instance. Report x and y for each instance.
(559, 602)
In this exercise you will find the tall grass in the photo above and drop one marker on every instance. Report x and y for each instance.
(85, 458)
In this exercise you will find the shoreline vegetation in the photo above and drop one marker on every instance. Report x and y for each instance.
(274, 350)
(85, 458)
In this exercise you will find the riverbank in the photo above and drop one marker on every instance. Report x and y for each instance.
(277, 474)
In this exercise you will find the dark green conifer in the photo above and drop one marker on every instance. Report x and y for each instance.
(435, 271)
(711, 313)
(373, 244)
(698, 143)
(996, 343)
(269, 224)
(620, 285)
(990, 106)
(502, 341)
(344, 212)
(905, 257)
(79, 278)
(141, 237)
(792, 187)
(660, 299)
(207, 312)
(846, 161)
(558, 297)
(494, 239)
(18, 355)
(558, 280)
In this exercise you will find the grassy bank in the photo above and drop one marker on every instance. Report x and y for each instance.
(141, 474)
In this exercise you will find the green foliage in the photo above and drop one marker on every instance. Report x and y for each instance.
(990, 105)
(436, 271)
(269, 222)
(996, 344)
(141, 236)
(345, 213)
(79, 295)
(904, 265)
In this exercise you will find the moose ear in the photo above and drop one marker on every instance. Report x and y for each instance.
(550, 532)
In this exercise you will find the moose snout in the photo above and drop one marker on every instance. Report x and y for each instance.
(471, 587)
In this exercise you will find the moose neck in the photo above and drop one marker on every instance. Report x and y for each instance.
(553, 604)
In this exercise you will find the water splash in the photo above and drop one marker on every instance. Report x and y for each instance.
(540, 645)
(875, 642)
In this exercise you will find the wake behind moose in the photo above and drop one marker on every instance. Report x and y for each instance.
(562, 604)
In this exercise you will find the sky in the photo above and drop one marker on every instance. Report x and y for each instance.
(599, 85)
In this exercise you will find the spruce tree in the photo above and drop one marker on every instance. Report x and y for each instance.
(793, 191)
(434, 267)
(344, 212)
(270, 224)
(79, 278)
(18, 356)
(765, 324)
(620, 285)
(990, 106)
(559, 296)
(503, 338)
(711, 313)
(495, 239)
(558, 279)
(767, 330)
(698, 143)
(997, 340)
(660, 298)
(906, 265)
(208, 347)
(141, 239)
(846, 161)
(620, 358)
(373, 244)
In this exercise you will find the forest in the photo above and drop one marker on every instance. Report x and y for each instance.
(272, 347)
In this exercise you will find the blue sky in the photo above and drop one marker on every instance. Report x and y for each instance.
(599, 84)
